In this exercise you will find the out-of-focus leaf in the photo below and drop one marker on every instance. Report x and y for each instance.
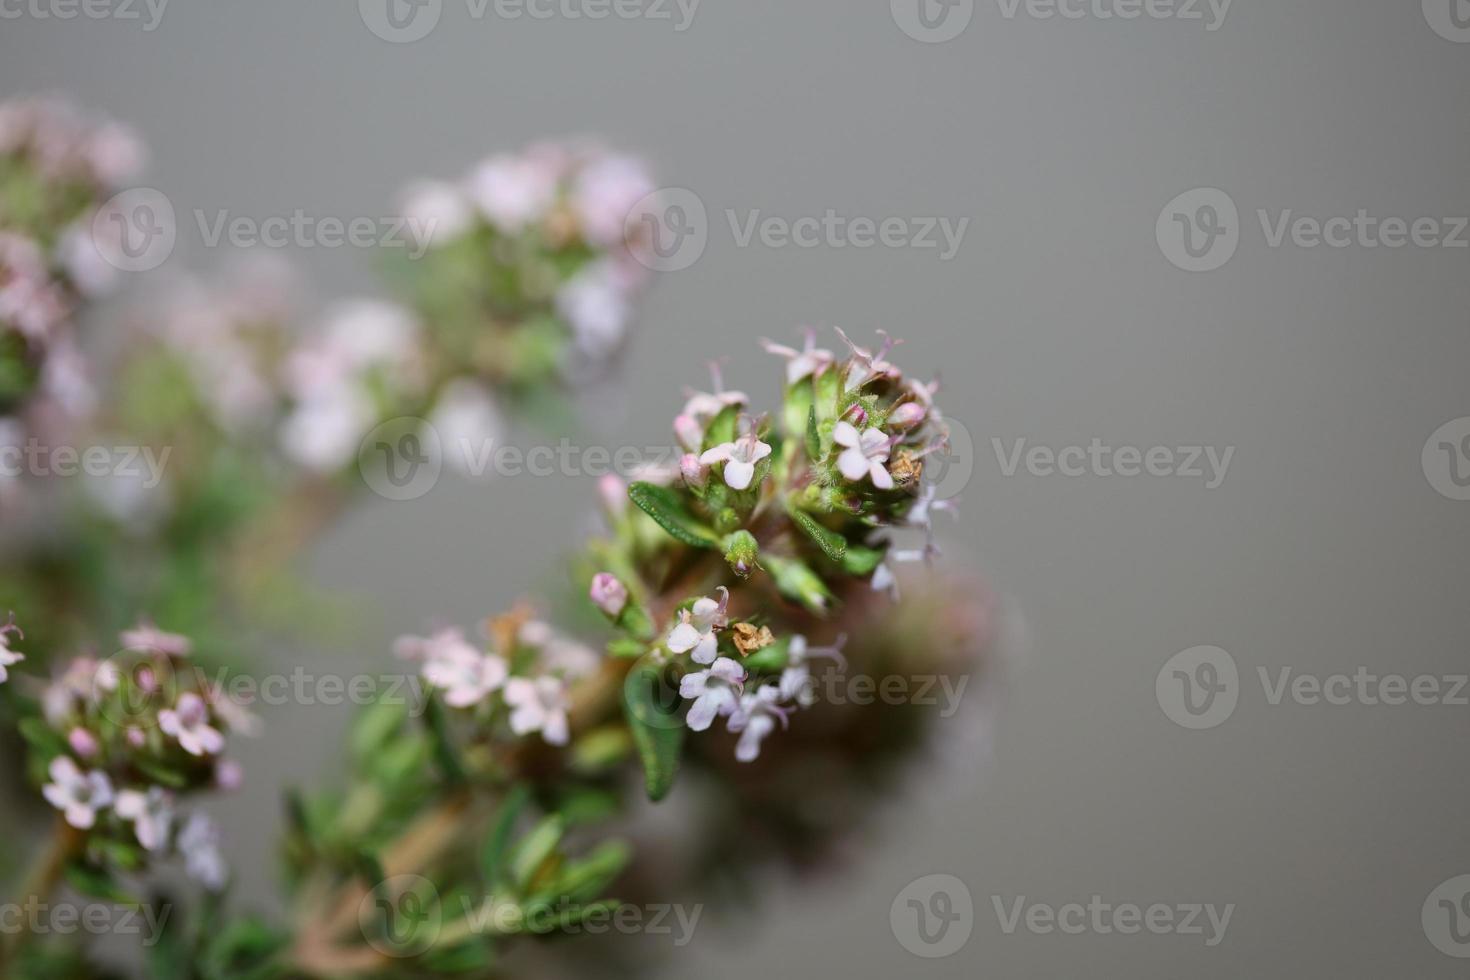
(663, 505)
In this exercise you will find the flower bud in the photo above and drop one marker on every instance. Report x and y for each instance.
(907, 415)
(689, 432)
(82, 742)
(229, 775)
(741, 551)
(614, 493)
(135, 737)
(695, 473)
(609, 595)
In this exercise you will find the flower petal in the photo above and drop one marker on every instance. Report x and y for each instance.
(853, 464)
(844, 434)
(738, 474)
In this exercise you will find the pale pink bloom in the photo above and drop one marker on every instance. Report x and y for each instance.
(323, 434)
(739, 458)
(229, 775)
(608, 594)
(116, 154)
(239, 719)
(83, 743)
(188, 722)
(538, 705)
(613, 492)
(694, 473)
(85, 265)
(605, 192)
(8, 657)
(512, 191)
(755, 718)
(437, 210)
(864, 456)
(907, 415)
(595, 303)
(867, 365)
(77, 793)
(696, 628)
(468, 423)
(799, 655)
(151, 813)
(715, 692)
(810, 361)
(199, 843)
(466, 675)
(702, 407)
(146, 636)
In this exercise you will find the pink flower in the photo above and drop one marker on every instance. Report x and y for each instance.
(436, 210)
(83, 742)
(78, 794)
(754, 719)
(715, 692)
(8, 657)
(146, 636)
(465, 675)
(697, 625)
(188, 722)
(608, 594)
(739, 458)
(864, 456)
(867, 365)
(151, 813)
(810, 361)
(512, 191)
(538, 705)
(605, 193)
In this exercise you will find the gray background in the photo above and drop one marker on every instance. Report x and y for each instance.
(1060, 320)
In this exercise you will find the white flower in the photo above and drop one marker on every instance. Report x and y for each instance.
(236, 717)
(794, 678)
(715, 692)
(739, 458)
(188, 722)
(696, 627)
(919, 513)
(465, 675)
(324, 433)
(468, 423)
(146, 636)
(605, 193)
(152, 814)
(512, 191)
(595, 304)
(436, 211)
(885, 580)
(702, 407)
(199, 843)
(8, 657)
(78, 794)
(867, 365)
(538, 705)
(811, 360)
(864, 456)
(754, 719)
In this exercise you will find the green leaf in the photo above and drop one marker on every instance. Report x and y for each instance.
(626, 649)
(497, 843)
(658, 732)
(813, 437)
(796, 580)
(160, 773)
(97, 883)
(663, 505)
(723, 428)
(444, 751)
(42, 736)
(375, 726)
(861, 560)
(585, 879)
(833, 545)
(532, 850)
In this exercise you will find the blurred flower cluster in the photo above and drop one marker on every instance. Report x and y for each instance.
(529, 276)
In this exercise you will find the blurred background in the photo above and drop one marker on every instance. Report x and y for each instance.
(1095, 296)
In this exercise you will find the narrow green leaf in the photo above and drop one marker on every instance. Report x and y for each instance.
(492, 856)
(813, 438)
(833, 545)
(663, 505)
(861, 560)
(444, 751)
(532, 850)
(658, 732)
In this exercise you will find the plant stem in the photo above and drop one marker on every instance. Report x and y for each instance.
(38, 885)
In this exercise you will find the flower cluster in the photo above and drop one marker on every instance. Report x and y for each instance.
(56, 170)
(529, 274)
(120, 743)
(521, 685)
(785, 521)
